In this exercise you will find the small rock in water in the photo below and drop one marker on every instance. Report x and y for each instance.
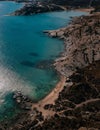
(23, 101)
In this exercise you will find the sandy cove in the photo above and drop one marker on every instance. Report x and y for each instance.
(50, 98)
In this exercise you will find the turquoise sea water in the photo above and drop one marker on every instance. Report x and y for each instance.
(22, 44)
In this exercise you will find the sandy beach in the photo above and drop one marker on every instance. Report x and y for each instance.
(50, 98)
(85, 9)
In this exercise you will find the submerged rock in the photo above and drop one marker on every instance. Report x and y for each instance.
(23, 101)
(44, 64)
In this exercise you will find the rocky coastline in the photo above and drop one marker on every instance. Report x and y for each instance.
(30, 9)
(38, 6)
(81, 41)
(77, 102)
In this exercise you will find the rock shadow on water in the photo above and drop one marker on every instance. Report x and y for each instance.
(9, 108)
(28, 63)
(34, 54)
(44, 64)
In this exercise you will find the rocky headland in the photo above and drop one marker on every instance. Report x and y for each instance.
(74, 104)
(30, 9)
(41, 6)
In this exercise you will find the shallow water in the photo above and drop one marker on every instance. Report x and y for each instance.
(23, 44)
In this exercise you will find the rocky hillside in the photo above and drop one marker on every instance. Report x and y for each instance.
(77, 107)
(81, 3)
(82, 43)
(96, 9)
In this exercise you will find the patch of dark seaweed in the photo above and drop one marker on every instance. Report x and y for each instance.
(28, 63)
(33, 54)
(44, 64)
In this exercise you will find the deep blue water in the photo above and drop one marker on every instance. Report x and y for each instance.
(22, 44)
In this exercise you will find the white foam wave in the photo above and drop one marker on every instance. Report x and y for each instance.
(10, 81)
